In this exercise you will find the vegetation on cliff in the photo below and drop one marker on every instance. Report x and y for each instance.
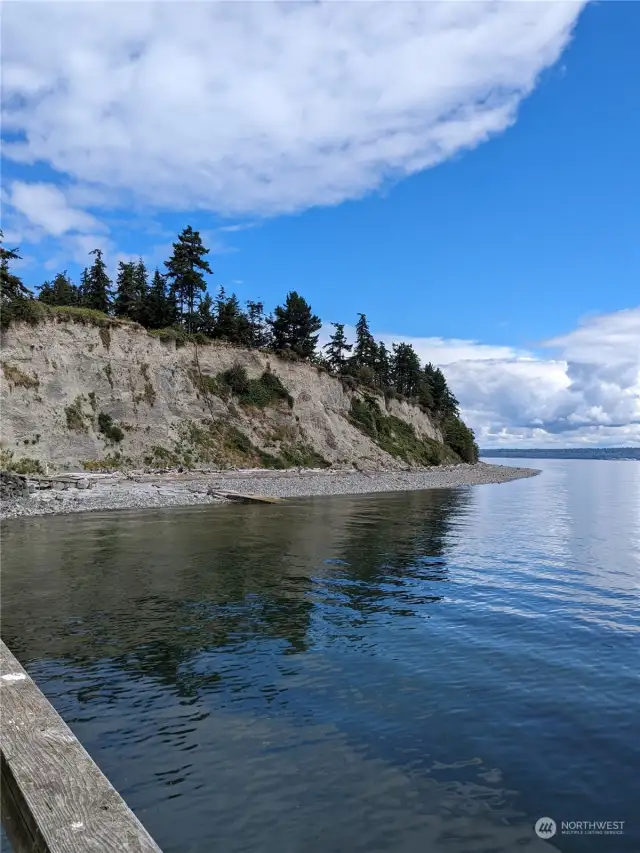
(175, 306)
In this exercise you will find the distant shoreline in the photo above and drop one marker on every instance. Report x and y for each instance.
(145, 491)
(614, 454)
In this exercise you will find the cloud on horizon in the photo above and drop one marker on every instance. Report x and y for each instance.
(585, 392)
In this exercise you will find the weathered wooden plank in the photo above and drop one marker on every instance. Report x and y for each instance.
(54, 797)
(253, 499)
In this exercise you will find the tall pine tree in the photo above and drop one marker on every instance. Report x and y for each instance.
(61, 291)
(96, 286)
(159, 307)
(366, 350)
(185, 269)
(337, 349)
(126, 303)
(294, 326)
(406, 369)
(206, 316)
(259, 330)
(11, 286)
(383, 366)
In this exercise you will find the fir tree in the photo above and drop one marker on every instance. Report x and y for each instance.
(97, 284)
(159, 309)
(11, 286)
(259, 331)
(460, 438)
(205, 316)
(337, 349)
(185, 269)
(141, 278)
(127, 302)
(383, 366)
(406, 369)
(444, 402)
(425, 390)
(83, 287)
(232, 324)
(61, 291)
(366, 350)
(294, 326)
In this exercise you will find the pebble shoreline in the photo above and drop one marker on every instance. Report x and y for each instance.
(143, 491)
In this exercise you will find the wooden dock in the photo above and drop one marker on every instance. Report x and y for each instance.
(55, 799)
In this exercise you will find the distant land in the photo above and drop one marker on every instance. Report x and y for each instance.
(614, 453)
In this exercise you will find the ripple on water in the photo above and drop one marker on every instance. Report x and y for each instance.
(399, 672)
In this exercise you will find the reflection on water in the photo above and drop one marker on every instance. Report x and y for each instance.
(402, 672)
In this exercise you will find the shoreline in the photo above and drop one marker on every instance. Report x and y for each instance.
(138, 490)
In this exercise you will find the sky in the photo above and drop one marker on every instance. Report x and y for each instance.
(464, 173)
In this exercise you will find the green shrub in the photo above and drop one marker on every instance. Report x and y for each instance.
(107, 427)
(17, 378)
(87, 317)
(22, 310)
(111, 462)
(303, 456)
(24, 465)
(179, 336)
(349, 383)
(261, 392)
(160, 457)
(75, 415)
(288, 355)
(236, 379)
(105, 337)
(394, 435)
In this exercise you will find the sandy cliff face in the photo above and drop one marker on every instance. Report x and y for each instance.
(58, 378)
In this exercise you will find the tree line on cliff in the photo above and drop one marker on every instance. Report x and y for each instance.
(177, 299)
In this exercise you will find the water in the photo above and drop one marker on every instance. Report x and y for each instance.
(401, 672)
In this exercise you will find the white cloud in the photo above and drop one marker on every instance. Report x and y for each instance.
(263, 107)
(45, 207)
(587, 393)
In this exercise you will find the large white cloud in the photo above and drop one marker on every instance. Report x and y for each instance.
(585, 391)
(263, 107)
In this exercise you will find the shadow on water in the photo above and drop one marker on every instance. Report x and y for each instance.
(151, 592)
(348, 673)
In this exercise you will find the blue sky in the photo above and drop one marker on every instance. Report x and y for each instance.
(470, 180)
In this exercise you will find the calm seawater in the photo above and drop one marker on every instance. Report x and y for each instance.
(429, 671)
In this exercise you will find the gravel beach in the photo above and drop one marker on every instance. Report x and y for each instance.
(86, 492)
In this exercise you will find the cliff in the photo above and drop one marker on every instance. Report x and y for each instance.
(80, 395)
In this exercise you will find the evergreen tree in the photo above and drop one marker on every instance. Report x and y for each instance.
(294, 326)
(83, 287)
(337, 348)
(11, 286)
(205, 316)
(406, 369)
(159, 309)
(185, 269)
(131, 291)
(444, 402)
(61, 291)
(460, 438)
(232, 324)
(383, 366)
(366, 350)
(259, 331)
(126, 304)
(425, 390)
(97, 284)
(141, 278)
